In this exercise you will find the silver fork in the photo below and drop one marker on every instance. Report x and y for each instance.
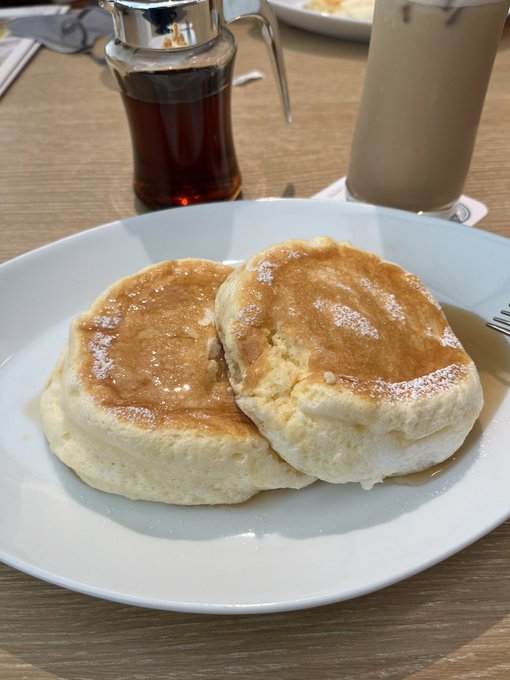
(501, 325)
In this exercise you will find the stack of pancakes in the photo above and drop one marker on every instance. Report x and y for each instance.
(193, 383)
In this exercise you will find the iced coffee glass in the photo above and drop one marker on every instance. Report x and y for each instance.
(428, 69)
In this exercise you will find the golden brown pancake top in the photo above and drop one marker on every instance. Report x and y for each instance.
(365, 322)
(149, 351)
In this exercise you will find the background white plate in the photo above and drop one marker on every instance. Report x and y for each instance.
(295, 14)
(281, 550)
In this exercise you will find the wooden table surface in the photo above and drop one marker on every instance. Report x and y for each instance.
(66, 166)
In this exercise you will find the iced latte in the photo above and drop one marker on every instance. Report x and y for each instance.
(428, 69)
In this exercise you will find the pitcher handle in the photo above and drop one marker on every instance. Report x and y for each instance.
(261, 10)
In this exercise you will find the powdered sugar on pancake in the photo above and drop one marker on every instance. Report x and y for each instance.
(345, 317)
(449, 339)
(418, 285)
(417, 388)
(424, 386)
(107, 322)
(265, 272)
(99, 346)
(389, 300)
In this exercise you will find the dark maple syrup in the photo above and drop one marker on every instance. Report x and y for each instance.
(181, 133)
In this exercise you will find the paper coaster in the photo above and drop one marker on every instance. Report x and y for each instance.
(467, 211)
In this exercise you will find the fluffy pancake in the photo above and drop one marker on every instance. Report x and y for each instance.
(140, 404)
(345, 362)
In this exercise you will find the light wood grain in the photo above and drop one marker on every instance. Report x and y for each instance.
(66, 166)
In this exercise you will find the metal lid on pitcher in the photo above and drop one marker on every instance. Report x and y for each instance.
(164, 24)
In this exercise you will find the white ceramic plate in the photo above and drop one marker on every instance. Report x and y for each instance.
(281, 550)
(295, 14)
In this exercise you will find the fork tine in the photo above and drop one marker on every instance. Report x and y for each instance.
(500, 329)
(503, 321)
(500, 325)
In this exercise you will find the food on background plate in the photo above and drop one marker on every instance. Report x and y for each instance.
(140, 405)
(361, 10)
(345, 362)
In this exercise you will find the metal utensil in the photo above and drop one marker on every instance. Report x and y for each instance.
(499, 324)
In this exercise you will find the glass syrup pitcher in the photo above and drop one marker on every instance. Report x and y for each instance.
(173, 62)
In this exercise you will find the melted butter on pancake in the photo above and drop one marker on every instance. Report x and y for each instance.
(150, 353)
(362, 322)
